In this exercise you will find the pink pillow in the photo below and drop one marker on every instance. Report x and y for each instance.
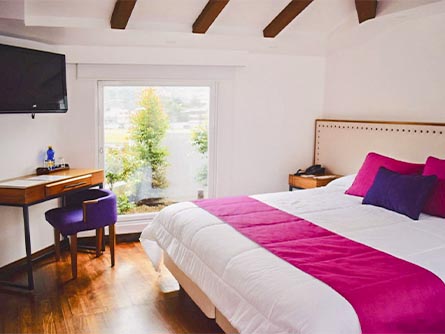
(435, 166)
(435, 205)
(366, 175)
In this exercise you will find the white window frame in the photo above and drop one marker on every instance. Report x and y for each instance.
(133, 223)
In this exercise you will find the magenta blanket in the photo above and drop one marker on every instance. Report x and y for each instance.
(389, 295)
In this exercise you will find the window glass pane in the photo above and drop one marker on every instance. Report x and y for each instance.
(156, 150)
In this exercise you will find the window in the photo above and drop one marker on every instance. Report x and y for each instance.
(155, 144)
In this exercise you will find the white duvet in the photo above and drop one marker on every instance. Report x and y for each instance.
(260, 293)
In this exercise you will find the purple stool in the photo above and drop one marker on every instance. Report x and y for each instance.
(86, 210)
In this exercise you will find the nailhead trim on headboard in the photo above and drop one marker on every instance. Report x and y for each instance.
(341, 145)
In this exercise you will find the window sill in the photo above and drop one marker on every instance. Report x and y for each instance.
(125, 224)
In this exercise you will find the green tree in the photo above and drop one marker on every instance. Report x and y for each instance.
(200, 139)
(123, 204)
(120, 164)
(148, 129)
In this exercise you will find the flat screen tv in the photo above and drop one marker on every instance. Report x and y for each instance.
(32, 81)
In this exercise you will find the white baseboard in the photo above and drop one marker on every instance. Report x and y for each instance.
(125, 228)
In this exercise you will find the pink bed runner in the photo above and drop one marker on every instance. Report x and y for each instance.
(389, 295)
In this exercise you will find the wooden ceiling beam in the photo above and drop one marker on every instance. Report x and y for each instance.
(121, 13)
(286, 16)
(208, 15)
(366, 9)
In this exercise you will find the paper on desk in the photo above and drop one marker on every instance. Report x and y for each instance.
(46, 178)
(21, 184)
(30, 181)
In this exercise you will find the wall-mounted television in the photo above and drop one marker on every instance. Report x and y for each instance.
(32, 81)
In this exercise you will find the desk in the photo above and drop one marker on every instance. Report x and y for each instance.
(29, 190)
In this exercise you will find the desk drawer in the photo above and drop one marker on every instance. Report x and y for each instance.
(61, 187)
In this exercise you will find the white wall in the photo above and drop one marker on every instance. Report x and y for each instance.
(385, 69)
(23, 143)
(266, 108)
(389, 68)
(277, 101)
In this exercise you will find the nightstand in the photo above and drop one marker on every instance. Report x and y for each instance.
(307, 182)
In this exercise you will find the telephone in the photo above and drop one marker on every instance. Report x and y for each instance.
(312, 170)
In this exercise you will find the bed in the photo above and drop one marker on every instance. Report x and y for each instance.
(250, 290)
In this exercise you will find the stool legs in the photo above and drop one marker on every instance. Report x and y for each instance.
(112, 242)
(99, 234)
(57, 243)
(73, 248)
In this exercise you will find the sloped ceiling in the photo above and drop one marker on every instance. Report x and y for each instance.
(168, 23)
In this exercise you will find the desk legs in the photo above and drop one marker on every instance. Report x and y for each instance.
(30, 285)
(28, 248)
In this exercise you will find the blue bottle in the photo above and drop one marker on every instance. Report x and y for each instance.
(50, 157)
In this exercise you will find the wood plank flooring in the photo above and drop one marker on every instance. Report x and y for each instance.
(123, 299)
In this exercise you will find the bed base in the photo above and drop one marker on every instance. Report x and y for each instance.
(199, 297)
(225, 324)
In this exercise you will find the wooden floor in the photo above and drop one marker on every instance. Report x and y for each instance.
(123, 299)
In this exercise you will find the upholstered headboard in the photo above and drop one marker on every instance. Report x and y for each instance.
(341, 145)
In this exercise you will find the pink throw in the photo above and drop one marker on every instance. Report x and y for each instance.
(389, 295)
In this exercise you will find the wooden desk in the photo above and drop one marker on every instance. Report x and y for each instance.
(32, 189)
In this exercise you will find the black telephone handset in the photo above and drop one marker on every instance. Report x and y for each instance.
(312, 170)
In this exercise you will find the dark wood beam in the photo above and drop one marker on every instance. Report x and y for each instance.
(366, 9)
(208, 15)
(121, 13)
(285, 17)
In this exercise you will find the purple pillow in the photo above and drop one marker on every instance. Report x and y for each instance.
(405, 194)
(435, 205)
(370, 167)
